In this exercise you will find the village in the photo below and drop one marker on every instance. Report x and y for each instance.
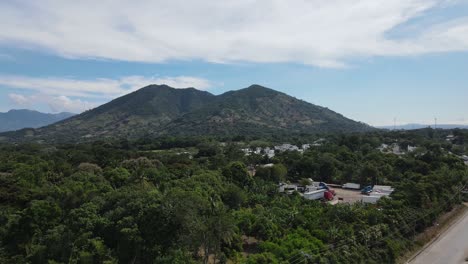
(333, 193)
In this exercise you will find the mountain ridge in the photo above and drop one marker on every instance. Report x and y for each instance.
(160, 110)
(16, 119)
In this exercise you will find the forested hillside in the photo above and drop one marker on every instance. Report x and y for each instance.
(159, 110)
(192, 200)
(258, 110)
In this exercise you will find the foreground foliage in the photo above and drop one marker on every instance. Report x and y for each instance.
(126, 203)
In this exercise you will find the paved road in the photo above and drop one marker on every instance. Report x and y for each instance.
(450, 247)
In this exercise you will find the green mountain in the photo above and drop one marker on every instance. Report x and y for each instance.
(131, 116)
(260, 110)
(23, 118)
(158, 110)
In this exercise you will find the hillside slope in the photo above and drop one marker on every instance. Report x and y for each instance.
(158, 110)
(22, 118)
(131, 116)
(260, 110)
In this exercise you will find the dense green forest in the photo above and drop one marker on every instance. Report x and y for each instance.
(192, 200)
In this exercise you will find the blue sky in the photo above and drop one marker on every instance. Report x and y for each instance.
(370, 60)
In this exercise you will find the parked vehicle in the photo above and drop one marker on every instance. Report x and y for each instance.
(323, 185)
(349, 185)
(370, 199)
(383, 189)
(329, 195)
(287, 188)
(367, 190)
(315, 195)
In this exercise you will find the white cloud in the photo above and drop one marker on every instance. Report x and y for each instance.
(56, 103)
(65, 104)
(72, 95)
(319, 32)
(97, 88)
(19, 99)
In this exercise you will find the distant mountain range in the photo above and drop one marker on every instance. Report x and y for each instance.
(158, 110)
(19, 119)
(419, 126)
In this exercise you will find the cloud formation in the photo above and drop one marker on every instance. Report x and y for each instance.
(323, 33)
(97, 88)
(19, 99)
(56, 104)
(72, 95)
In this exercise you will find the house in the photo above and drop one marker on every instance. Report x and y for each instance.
(450, 137)
(383, 147)
(411, 148)
(396, 149)
(258, 151)
(393, 148)
(286, 147)
(246, 151)
(269, 152)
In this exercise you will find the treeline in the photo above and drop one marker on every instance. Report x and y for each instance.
(135, 202)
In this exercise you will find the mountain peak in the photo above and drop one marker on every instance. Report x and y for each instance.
(163, 110)
(166, 87)
(258, 87)
(253, 90)
(153, 86)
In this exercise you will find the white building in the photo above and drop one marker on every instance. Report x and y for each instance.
(411, 148)
(286, 147)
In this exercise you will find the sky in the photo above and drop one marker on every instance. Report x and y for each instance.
(374, 61)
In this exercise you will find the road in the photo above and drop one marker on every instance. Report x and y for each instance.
(450, 247)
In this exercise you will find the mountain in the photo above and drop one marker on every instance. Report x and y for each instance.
(419, 126)
(158, 110)
(260, 110)
(131, 116)
(18, 119)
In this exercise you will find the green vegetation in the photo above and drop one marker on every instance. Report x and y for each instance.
(154, 111)
(193, 200)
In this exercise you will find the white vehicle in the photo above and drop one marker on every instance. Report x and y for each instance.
(370, 199)
(287, 188)
(383, 189)
(350, 185)
(315, 195)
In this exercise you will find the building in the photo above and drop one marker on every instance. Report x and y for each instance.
(411, 148)
(286, 147)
